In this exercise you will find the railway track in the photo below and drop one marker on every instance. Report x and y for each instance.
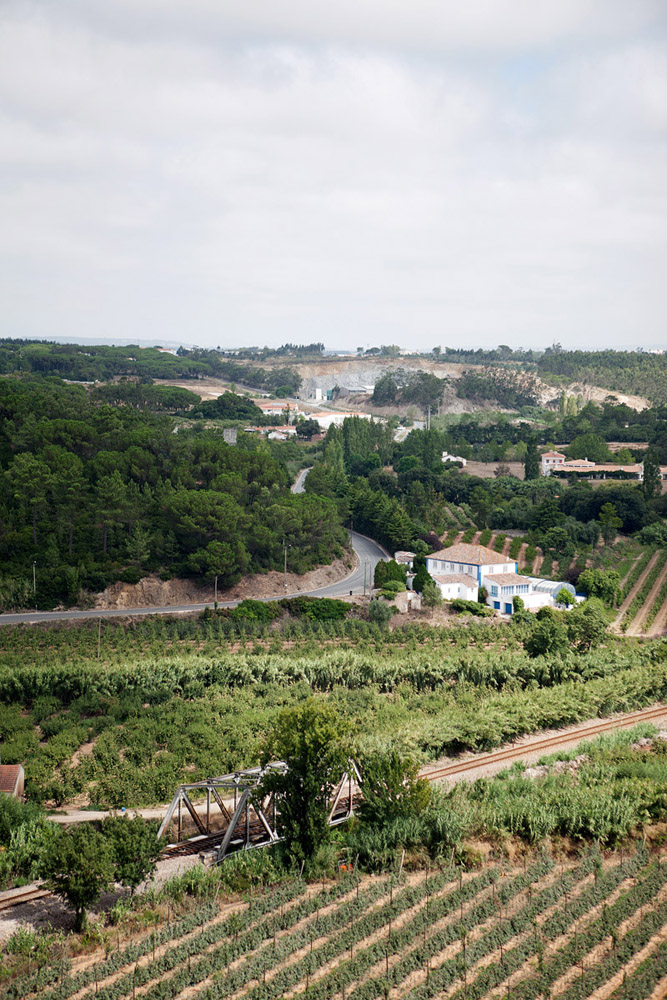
(27, 896)
(546, 744)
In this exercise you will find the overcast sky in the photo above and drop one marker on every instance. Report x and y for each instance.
(420, 172)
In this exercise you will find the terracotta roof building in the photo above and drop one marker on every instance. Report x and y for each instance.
(472, 555)
(12, 779)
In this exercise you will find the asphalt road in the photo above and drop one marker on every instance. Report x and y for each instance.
(368, 552)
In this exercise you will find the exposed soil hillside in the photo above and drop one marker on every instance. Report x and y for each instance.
(355, 373)
(154, 592)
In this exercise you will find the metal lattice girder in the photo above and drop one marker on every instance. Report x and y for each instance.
(216, 789)
(248, 820)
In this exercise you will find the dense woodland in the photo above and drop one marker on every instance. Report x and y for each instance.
(94, 489)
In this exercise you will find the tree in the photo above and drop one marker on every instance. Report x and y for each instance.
(111, 503)
(379, 613)
(30, 479)
(134, 847)
(388, 569)
(532, 461)
(610, 521)
(307, 429)
(564, 597)
(313, 741)
(600, 583)
(422, 577)
(431, 595)
(392, 788)
(590, 446)
(547, 636)
(78, 866)
(587, 625)
(651, 482)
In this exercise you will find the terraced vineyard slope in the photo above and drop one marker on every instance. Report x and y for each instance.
(568, 930)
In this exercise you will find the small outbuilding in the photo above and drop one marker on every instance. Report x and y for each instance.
(12, 780)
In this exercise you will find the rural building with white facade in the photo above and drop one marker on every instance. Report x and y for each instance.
(460, 570)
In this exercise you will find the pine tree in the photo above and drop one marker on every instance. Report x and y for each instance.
(532, 461)
(651, 481)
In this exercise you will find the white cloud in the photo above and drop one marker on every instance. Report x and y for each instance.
(493, 173)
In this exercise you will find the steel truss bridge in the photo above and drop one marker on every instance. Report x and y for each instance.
(235, 816)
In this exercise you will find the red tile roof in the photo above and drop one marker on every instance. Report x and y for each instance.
(468, 581)
(473, 555)
(9, 776)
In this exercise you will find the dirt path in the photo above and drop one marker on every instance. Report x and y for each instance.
(615, 626)
(635, 627)
(659, 626)
(630, 569)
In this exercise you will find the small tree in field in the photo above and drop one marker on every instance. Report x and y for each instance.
(379, 613)
(78, 867)
(431, 595)
(610, 521)
(134, 846)
(392, 788)
(312, 740)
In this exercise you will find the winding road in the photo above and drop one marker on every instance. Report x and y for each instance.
(369, 553)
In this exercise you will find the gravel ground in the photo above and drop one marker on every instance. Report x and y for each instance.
(51, 912)
(522, 744)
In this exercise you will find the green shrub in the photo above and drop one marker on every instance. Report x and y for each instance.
(317, 609)
(131, 575)
(472, 607)
(393, 587)
(257, 611)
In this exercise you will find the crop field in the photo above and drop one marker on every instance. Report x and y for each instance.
(594, 926)
(170, 701)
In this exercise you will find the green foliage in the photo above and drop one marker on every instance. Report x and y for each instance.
(392, 788)
(564, 597)
(394, 586)
(379, 613)
(317, 609)
(135, 848)
(532, 461)
(78, 866)
(95, 490)
(600, 583)
(508, 387)
(256, 611)
(547, 637)
(472, 607)
(431, 594)
(652, 479)
(389, 569)
(312, 741)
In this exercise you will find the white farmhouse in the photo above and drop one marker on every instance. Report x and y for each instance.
(446, 457)
(461, 570)
(551, 460)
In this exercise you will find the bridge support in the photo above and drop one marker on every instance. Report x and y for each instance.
(236, 817)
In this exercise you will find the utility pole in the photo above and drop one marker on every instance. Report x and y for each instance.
(365, 565)
(215, 599)
(34, 576)
(285, 565)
